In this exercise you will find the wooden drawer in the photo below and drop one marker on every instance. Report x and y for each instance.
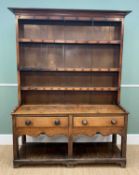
(98, 121)
(42, 122)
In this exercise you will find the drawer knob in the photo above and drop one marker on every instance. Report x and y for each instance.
(57, 122)
(113, 121)
(28, 122)
(84, 122)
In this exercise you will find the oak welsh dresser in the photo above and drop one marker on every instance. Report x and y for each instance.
(69, 74)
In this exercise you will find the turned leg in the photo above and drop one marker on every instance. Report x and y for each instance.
(23, 139)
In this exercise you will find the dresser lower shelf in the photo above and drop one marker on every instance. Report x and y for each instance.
(56, 153)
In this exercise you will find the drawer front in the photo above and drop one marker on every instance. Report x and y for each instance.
(98, 121)
(42, 122)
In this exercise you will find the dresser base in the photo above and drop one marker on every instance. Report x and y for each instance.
(56, 153)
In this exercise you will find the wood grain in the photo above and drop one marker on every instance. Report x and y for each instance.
(68, 109)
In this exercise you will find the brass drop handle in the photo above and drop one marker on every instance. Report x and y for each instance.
(113, 121)
(57, 122)
(28, 122)
(84, 122)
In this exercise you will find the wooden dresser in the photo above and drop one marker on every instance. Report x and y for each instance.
(69, 74)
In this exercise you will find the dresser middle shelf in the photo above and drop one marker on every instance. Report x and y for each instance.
(67, 88)
(32, 69)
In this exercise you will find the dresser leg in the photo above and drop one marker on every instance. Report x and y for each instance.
(15, 147)
(70, 141)
(123, 146)
(16, 165)
(23, 139)
(123, 164)
(70, 147)
(114, 139)
(124, 139)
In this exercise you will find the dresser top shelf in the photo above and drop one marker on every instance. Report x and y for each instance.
(68, 109)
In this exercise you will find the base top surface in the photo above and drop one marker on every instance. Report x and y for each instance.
(68, 109)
